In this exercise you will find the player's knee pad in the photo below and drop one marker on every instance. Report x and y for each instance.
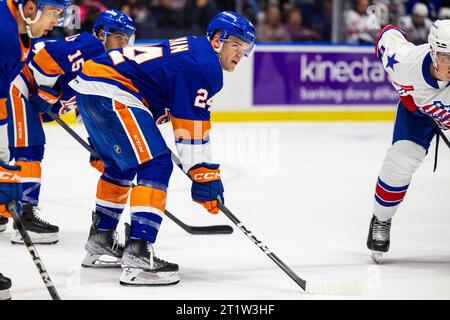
(402, 160)
(31, 153)
(156, 171)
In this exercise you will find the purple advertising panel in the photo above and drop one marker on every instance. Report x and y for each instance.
(321, 78)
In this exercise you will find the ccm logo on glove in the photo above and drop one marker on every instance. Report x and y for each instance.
(9, 177)
(205, 176)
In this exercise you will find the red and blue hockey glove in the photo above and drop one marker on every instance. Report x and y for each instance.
(44, 98)
(207, 187)
(10, 187)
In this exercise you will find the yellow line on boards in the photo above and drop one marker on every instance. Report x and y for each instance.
(322, 115)
(285, 116)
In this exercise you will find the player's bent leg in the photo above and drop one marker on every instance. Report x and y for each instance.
(103, 247)
(401, 161)
(140, 265)
(40, 231)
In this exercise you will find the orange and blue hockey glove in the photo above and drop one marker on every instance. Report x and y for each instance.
(10, 187)
(44, 98)
(96, 162)
(207, 186)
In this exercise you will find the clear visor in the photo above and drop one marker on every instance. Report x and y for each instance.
(443, 57)
(246, 49)
(122, 38)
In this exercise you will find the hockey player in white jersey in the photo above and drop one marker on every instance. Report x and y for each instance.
(421, 75)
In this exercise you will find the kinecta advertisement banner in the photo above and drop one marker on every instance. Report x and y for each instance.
(320, 76)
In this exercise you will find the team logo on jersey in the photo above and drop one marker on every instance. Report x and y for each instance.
(438, 111)
(67, 105)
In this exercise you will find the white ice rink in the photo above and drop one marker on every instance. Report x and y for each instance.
(304, 189)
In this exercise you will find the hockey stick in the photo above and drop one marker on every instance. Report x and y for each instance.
(440, 133)
(219, 229)
(34, 255)
(323, 288)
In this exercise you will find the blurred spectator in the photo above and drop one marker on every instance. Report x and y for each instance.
(92, 14)
(136, 9)
(383, 11)
(89, 7)
(139, 11)
(392, 9)
(202, 11)
(444, 13)
(432, 5)
(356, 27)
(171, 14)
(296, 29)
(272, 29)
(417, 26)
(306, 7)
(322, 20)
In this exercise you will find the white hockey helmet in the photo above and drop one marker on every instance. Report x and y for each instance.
(439, 38)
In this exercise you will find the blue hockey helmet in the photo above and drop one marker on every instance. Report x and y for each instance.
(42, 3)
(115, 21)
(231, 23)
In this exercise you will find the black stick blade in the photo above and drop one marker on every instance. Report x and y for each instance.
(219, 229)
(205, 230)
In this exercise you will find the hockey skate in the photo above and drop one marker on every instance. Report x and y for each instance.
(378, 239)
(103, 248)
(142, 268)
(3, 223)
(5, 285)
(40, 231)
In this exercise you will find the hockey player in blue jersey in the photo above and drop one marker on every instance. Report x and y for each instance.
(22, 21)
(42, 86)
(122, 95)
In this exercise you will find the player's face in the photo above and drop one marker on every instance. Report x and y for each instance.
(233, 50)
(116, 40)
(48, 20)
(443, 65)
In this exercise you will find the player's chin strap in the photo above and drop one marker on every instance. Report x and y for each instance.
(28, 21)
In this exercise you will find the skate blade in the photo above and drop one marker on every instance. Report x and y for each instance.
(37, 238)
(139, 277)
(100, 261)
(377, 257)
(5, 295)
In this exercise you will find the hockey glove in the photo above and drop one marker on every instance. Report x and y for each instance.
(44, 98)
(10, 187)
(96, 162)
(207, 187)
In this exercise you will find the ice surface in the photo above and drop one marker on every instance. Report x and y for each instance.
(304, 189)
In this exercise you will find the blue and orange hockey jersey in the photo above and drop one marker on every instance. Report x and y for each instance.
(179, 76)
(14, 51)
(52, 64)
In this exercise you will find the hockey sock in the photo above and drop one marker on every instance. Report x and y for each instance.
(111, 200)
(31, 181)
(147, 208)
(387, 199)
(401, 161)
